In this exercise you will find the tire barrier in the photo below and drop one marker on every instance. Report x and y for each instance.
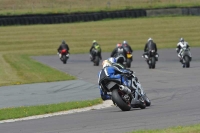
(68, 18)
(85, 17)
(191, 11)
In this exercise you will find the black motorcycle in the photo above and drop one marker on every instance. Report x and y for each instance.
(122, 97)
(129, 57)
(151, 59)
(95, 57)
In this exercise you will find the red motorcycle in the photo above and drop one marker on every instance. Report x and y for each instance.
(64, 56)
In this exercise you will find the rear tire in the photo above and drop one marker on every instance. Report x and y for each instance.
(153, 62)
(96, 61)
(128, 63)
(187, 62)
(64, 59)
(118, 100)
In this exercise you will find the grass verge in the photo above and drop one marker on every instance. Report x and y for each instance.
(20, 112)
(178, 129)
(30, 71)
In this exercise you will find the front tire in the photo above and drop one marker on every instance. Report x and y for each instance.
(116, 98)
(142, 103)
(146, 100)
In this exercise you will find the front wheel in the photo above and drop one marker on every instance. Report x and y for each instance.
(117, 99)
(142, 103)
(146, 100)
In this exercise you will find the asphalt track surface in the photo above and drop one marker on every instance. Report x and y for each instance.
(173, 90)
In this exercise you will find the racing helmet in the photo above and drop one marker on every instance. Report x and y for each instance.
(106, 63)
(150, 39)
(112, 60)
(125, 42)
(119, 45)
(181, 39)
(94, 41)
(63, 41)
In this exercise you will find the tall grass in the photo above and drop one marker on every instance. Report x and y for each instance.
(10, 7)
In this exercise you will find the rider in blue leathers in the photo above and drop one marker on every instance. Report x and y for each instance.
(114, 72)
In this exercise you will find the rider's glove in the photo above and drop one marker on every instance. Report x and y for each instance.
(130, 72)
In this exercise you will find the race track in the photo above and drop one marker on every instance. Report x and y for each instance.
(173, 90)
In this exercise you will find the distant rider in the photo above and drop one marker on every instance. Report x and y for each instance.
(126, 46)
(119, 50)
(182, 43)
(150, 45)
(62, 46)
(94, 46)
(113, 72)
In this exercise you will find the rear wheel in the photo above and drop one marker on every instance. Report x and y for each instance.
(153, 62)
(117, 99)
(96, 61)
(187, 62)
(64, 59)
(128, 63)
(149, 63)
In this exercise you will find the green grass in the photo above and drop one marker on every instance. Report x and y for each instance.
(177, 129)
(20, 112)
(13, 7)
(17, 43)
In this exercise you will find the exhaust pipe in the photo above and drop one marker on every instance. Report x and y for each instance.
(125, 89)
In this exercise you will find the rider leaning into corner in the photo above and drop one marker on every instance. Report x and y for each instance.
(113, 71)
(150, 45)
(62, 46)
(119, 50)
(94, 46)
(182, 43)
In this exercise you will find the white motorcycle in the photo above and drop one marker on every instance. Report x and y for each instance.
(186, 56)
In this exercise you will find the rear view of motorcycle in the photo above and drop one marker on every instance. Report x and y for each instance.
(129, 59)
(186, 56)
(122, 97)
(64, 56)
(151, 59)
(95, 55)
